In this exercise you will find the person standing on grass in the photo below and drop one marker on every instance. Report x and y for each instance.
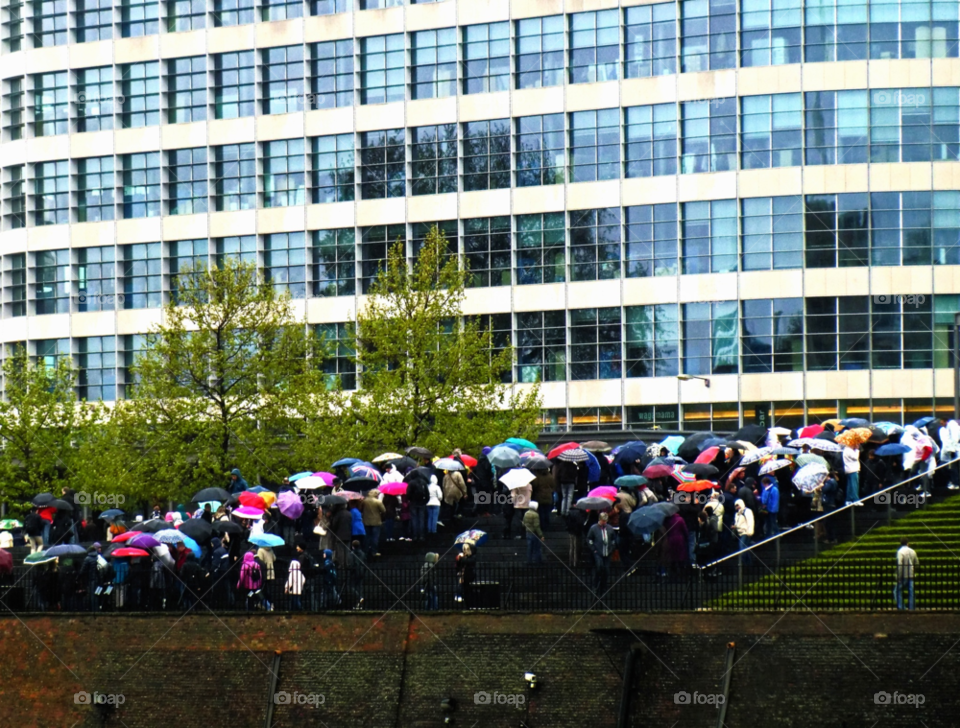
(907, 563)
(531, 523)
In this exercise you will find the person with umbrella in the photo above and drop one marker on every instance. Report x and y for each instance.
(454, 491)
(250, 580)
(576, 526)
(428, 580)
(950, 450)
(565, 473)
(90, 576)
(602, 540)
(851, 469)
(531, 524)
(327, 572)
(466, 565)
(33, 530)
(294, 586)
(541, 490)
(341, 524)
(373, 512)
(219, 566)
(770, 500)
(194, 580)
(829, 501)
(743, 525)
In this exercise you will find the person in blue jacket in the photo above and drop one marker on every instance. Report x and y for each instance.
(770, 499)
(237, 483)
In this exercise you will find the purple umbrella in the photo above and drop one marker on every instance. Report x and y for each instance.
(325, 477)
(143, 541)
(289, 504)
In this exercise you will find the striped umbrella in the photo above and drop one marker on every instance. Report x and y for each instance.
(682, 475)
(808, 458)
(573, 455)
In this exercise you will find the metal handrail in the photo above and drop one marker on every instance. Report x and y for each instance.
(831, 514)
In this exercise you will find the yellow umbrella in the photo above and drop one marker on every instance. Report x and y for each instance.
(837, 425)
(268, 497)
(387, 457)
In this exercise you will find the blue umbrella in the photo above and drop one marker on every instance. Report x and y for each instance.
(673, 443)
(66, 549)
(893, 448)
(304, 474)
(511, 445)
(266, 539)
(888, 427)
(649, 518)
(111, 514)
(525, 444)
(258, 489)
(192, 545)
(924, 421)
(593, 467)
(346, 461)
(711, 442)
(854, 422)
(503, 457)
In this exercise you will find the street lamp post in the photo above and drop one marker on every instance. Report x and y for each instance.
(706, 382)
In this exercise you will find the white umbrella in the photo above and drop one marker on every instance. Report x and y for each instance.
(169, 535)
(310, 482)
(825, 446)
(517, 478)
(774, 465)
(448, 464)
(779, 431)
(755, 455)
(809, 477)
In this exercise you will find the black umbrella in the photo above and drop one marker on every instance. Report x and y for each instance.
(151, 526)
(402, 464)
(197, 529)
(826, 435)
(226, 527)
(628, 454)
(421, 453)
(757, 434)
(536, 464)
(420, 474)
(593, 504)
(701, 470)
(691, 446)
(331, 500)
(60, 505)
(42, 499)
(211, 494)
(359, 485)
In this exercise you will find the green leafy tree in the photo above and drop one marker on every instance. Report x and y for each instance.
(429, 376)
(41, 422)
(217, 385)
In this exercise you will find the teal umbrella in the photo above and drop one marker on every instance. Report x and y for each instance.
(673, 443)
(630, 481)
(526, 444)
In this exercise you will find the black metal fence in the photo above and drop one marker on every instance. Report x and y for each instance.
(855, 584)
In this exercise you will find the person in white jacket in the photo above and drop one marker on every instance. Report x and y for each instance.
(950, 450)
(743, 527)
(433, 505)
(294, 587)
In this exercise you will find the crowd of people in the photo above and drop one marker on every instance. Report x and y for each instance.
(307, 542)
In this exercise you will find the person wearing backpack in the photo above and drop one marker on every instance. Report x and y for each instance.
(251, 579)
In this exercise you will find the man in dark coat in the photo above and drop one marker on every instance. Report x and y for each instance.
(541, 491)
(90, 576)
(194, 579)
(602, 539)
(342, 526)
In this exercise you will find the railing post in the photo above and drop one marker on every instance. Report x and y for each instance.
(740, 571)
(777, 541)
(853, 521)
(889, 508)
(816, 542)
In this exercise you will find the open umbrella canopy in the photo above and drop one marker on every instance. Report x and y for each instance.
(473, 536)
(60, 505)
(691, 445)
(525, 444)
(268, 540)
(756, 434)
(387, 457)
(825, 445)
(448, 464)
(855, 436)
(42, 499)
(328, 501)
(127, 535)
(128, 552)
(197, 529)
(468, 460)
(253, 500)
(629, 454)
(648, 519)
(680, 473)
(39, 557)
(784, 451)
(289, 504)
(630, 481)
(658, 468)
(296, 476)
(826, 435)
(809, 457)
(924, 421)
(358, 485)
(892, 448)
(66, 549)
(574, 455)
(227, 527)
(700, 470)
(248, 512)
(888, 427)
(773, 465)
(311, 482)
(854, 422)
(603, 491)
(326, 477)
(151, 526)
(593, 504)
(673, 443)
(809, 477)
(393, 488)
(537, 463)
(346, 462)
(517, 478)
(258, 489)
(171, 536)
(364, 471)
(349, 495)
(810, 431)
(696, 486)
(708, 455)
(503, 457)
(419, 453)
(111, 514)
(8, 524)
(143, 541)
(596, 446)
(555, 452)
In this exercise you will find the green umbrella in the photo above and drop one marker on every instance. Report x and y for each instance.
(9, 523)
(40, 557)
(808, 458)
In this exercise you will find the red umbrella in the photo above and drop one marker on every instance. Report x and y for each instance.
(707, 455)
(128, 552)
(470, 462)
(696, 486)
(248, 498)
(47, 514)
(811, 431)
(125, 536)
(562, 448)
(6, 562)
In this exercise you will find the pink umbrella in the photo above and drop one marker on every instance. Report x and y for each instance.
(325, 477)
(707, 455)
(125, 536)
(289, 504)
(248, 512)
(143, 541)
(603, 491)
(393, 488)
